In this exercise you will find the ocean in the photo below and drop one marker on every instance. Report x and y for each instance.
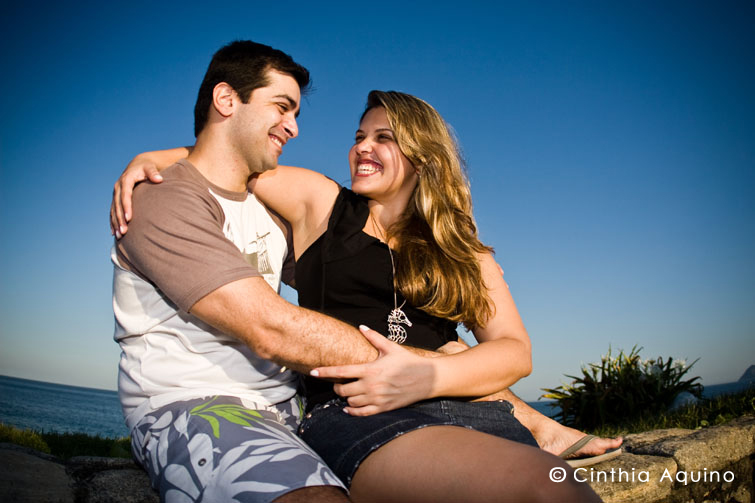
(44, 406)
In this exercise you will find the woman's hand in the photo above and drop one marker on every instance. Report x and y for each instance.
(144, 166)
(138, 170)
(397, 378)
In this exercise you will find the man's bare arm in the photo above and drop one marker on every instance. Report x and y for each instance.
(293, 336)
(298, 338)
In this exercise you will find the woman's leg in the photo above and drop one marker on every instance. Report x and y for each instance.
(449, 463)
(551, 435)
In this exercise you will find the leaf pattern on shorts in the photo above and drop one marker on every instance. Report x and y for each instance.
(235, 414)
(187, 463)
(278, 444)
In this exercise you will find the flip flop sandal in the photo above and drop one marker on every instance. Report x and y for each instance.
(590, 460)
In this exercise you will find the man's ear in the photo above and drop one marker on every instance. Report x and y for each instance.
(223, 99)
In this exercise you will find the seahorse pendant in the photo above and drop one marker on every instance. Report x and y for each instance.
(396, 332)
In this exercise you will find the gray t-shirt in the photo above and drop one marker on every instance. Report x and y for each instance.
(188, 238)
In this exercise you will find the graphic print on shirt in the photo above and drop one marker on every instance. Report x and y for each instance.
(249, 226)
(255, 253)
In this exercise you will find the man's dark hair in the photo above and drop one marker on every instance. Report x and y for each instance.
(243, 65)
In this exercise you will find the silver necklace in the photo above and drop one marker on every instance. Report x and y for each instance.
(396, 332)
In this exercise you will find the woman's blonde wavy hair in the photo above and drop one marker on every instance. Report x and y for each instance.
(437, 268)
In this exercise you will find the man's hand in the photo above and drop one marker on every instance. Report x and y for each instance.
(137, 171)
(397, 378)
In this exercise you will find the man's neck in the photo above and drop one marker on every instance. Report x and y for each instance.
(219, 164)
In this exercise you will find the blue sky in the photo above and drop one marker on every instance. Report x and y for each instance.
(611, 148)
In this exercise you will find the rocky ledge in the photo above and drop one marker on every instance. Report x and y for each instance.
(29, 476)
(714, 465)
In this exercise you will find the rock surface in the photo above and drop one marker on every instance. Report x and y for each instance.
(29, 476)
(21, 472)
(711, 448)
(749, 375)
(622, 479)
(656, 466)
(681, 466)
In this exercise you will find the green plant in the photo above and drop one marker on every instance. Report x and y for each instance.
(702, 414)
(67, 445)
(622, 389)
(27, 438)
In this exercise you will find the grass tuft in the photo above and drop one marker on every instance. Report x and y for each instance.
(27, 438)
(705, 413)
(67, 445)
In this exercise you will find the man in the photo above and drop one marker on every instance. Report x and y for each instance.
(211, 407)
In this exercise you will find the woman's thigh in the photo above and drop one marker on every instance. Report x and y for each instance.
(450, 463)
(344, 441)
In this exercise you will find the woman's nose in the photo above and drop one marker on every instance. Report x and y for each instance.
(364, 146)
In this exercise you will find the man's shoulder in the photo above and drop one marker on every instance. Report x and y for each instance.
(183, 170)
(180, 177)
(183, 191)
(182, 200)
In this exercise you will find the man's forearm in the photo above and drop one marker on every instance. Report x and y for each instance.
(423, 352)
(309, 339)
(289, 335)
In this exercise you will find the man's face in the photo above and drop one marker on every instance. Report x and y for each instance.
(261, 127)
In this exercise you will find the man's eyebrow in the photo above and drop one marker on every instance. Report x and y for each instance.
(292, 102)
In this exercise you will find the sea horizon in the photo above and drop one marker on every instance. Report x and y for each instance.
(54, 407)
(64, 408)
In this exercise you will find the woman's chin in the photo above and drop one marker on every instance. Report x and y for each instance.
(360, 187)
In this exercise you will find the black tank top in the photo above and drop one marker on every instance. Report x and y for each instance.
(347, 274)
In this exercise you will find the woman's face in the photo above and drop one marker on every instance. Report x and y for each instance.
(378, 168)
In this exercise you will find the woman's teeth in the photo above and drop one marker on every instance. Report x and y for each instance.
(367, 169)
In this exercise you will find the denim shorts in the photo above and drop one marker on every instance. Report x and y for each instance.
(343, 441)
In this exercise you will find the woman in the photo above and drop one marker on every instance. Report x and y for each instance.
(401, 254)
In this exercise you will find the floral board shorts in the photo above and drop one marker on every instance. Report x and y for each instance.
(215, 449)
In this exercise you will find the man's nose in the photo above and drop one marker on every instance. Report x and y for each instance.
(291, 127)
